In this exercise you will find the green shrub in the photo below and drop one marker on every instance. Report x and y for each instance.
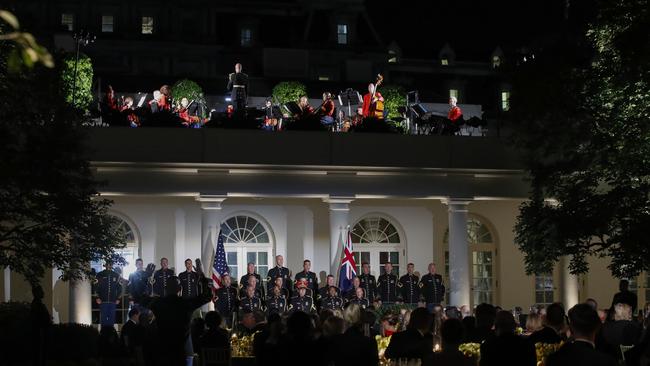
(189, 89)
(288, 91)
(394, 97)
(83, 90)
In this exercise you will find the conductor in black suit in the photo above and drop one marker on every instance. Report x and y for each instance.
(584, 323)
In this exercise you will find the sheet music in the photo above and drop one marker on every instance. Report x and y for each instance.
(141, 102)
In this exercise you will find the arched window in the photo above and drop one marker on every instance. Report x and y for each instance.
(377, 241)
(130, 252)
(247, 240)
(482, 256)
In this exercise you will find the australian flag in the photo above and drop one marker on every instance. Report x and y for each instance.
(348, 268)
(220, 266)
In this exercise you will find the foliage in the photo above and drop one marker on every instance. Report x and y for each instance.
(50, 213)
(583, 126)
(394, 97)
(15, 342)
(25, 51)
(72, 342)
(288, 91)
(83, 87)
(188, 89)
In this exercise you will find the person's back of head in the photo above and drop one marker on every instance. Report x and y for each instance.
(469, 323)
(134, 314)
(554, 317)
(213, 320)
(623, 285)
(421, 320)
(622, 312)
(172, 286)
(299, 325)
(451, 332)
(333, 326)
(533, 322)
(485, 315)
(505, 323)
(352, 315)
(584, 322)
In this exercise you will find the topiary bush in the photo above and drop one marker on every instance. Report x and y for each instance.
(83, 89)
(15, 337)
(394, 97)
(189, 89)
(72, 342)
(288, 91)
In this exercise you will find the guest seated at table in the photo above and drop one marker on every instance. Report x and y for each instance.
(451, 332)
(215, 336)
(506, 347)
(553, 327)
(416, 342)
(485, 315)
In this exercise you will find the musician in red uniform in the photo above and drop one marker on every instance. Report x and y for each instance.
(305, 108)
(165, 101)
(369, 101)
(327, 110)
(109, 107)
(129, 113)
(454, 111)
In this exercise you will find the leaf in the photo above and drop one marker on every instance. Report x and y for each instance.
(10, 19)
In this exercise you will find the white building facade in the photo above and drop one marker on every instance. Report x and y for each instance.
(452, 201)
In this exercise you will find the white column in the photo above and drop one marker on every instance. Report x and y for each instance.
(339, 220)
(569, 289)
(180, 250)
(7, 283)
(210, 223)
(80, 302)
(459, 275)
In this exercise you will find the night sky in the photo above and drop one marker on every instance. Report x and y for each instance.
(472, 28)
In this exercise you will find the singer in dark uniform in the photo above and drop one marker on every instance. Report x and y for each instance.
(138, 283)
(109, 289)
(160, 278)
(279, 271)
(190, 285)
(387, 286)
(250, 302)
(431, 288)
(226, 301)
(238, 87)
(310, 277)
(368, 282)
(409, 286)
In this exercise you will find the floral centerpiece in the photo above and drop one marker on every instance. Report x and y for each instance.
(242, 346)
(543, 350)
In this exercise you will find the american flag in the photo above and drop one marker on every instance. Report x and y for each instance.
(348, 267)
(220, 266)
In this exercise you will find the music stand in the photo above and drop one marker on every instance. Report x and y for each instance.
(349, 97)
(293, 108)
(419, 110)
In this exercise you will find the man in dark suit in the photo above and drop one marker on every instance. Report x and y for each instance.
(584, 324)
(415, 342)
(625, 296)
(132, 334)
(553, 324)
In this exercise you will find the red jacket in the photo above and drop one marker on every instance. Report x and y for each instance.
(367, 103)
(454, 113)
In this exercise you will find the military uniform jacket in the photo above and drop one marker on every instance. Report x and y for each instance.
(250, 303)
(243, 282)
(352, 293)
(369, 285)
(259, 288)
(363, 303)
(227, 300)
(409, 289)
(189, 284)
(137, 285)
(239, 79)
(276, 272)
(323, 292)
(431, 288)
(305, 303)
(159, 281)
(387, 287)
(276, 305)
(109, 288)
(332, 303)
(312, 280)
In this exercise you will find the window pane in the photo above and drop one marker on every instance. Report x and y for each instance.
(394, 258)
(263, 258)
(383, 257)
(251, 257)
(147, 25)
(67, 20)
(107, 23)
(263, 271)
(264, 238)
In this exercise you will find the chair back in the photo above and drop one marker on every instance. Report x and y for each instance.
(624, 349)
(215, 356)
